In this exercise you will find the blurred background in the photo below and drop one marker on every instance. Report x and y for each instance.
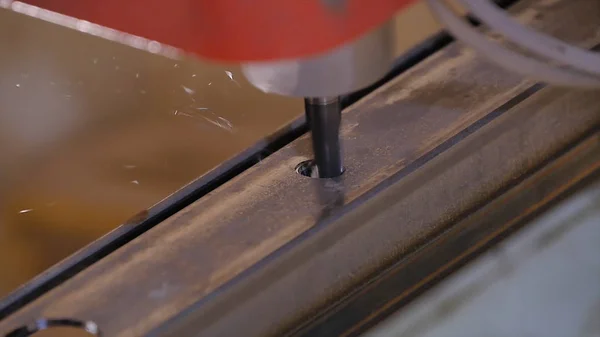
(93, 132)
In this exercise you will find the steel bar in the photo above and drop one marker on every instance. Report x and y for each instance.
(477, 230)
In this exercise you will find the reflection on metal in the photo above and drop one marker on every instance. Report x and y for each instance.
(541, 283)
(91, 28)
(93, 132)
(57, 328)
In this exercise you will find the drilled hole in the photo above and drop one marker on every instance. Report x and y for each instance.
(309, 169)
(57, 328)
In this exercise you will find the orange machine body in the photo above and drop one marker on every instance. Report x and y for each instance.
(236, 30)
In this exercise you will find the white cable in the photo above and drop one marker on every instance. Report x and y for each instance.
(541, 44)
(506, 58)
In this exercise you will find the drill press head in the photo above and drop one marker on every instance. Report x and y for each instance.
(295, 47)
(344, 69)
(317, 49)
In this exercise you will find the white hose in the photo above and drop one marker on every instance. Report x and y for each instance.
(582, 62)
(541, 44)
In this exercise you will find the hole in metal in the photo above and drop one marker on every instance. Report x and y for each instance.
(308, 168)
(57, 328)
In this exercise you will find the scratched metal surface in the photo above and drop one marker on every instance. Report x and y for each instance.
(93, 132)
(542, 283)
(405, 275)
(183, 260)
(408, 210)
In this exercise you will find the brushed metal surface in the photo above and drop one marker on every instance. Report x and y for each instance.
(485, 198)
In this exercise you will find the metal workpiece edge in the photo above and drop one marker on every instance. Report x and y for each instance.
(504, 205)
(178, 278)
(409, 209)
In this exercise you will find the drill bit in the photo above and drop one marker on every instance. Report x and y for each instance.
(323, 115)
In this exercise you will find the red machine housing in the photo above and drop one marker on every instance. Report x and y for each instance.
(236, 30)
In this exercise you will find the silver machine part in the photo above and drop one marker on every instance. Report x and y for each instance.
(348, 68)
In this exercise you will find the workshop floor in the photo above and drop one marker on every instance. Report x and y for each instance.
(92, 132)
